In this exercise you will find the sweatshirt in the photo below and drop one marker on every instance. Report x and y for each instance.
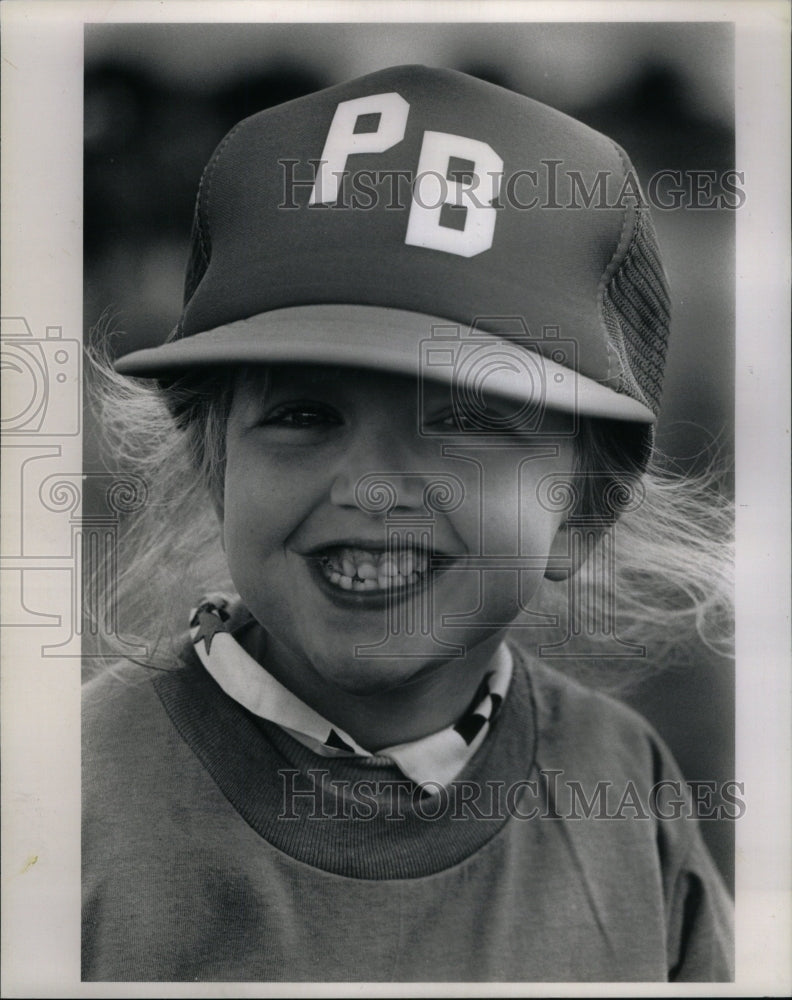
(217, 848)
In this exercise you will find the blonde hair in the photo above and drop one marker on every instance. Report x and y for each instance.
(667, 535)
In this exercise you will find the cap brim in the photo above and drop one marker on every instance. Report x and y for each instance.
(390, 340)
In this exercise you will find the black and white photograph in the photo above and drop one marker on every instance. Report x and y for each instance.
(396, 499)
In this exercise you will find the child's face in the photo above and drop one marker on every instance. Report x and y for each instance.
(309, 558)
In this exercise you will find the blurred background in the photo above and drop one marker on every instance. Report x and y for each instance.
(159, 97)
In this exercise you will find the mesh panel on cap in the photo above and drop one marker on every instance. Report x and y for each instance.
(636, 310)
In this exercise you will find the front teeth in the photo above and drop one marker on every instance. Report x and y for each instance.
(355, 569)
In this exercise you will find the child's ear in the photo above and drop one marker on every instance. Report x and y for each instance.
(565, 559)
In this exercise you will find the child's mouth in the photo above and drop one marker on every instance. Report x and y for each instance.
(374, 570)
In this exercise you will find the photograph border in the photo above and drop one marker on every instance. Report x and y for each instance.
(42, 81)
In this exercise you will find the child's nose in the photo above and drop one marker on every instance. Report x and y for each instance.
(378, 492)
(379, 472)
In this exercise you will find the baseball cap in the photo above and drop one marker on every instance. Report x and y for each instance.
(420, 220)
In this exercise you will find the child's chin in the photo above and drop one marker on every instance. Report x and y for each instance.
(364, 676)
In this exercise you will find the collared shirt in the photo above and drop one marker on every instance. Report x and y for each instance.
(436, 758)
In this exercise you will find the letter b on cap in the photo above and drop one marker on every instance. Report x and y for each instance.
(349, 133)
(435, 187)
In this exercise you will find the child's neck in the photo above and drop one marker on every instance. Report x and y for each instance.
(426, 704)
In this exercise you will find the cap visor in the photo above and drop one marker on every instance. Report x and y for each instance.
(391, 340)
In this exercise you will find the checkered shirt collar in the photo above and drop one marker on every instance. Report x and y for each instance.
(437, 758)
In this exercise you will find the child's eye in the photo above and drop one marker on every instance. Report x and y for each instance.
(449, 420)
(302, 416)
(454, 421)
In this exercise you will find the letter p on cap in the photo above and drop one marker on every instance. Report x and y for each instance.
(350, 132)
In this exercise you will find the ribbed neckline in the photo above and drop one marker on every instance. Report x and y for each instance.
(398, 834)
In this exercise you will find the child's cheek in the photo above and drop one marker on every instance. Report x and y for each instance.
(503, 513)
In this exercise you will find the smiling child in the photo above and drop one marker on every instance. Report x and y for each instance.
(408, 407)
